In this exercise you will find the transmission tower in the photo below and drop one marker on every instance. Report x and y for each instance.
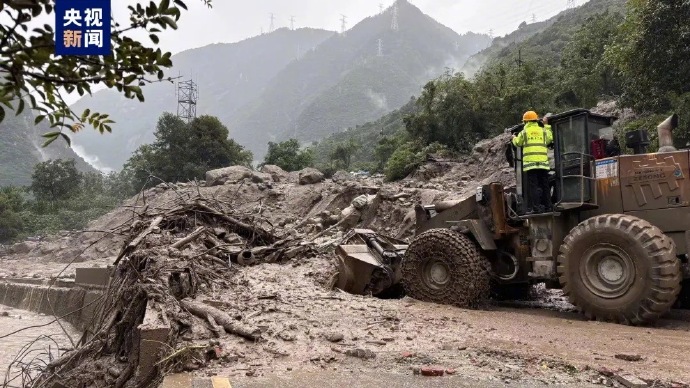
(394, 23)
(380, 52)
(343, 23)
(272, 25)
(187, 96)
(534, 18)
(571, 4)
(491, 33)
(380, 8)
(292, 22)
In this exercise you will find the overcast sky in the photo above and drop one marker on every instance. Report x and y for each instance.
(232, 20)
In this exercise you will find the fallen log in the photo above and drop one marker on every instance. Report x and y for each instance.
(133, 244)
(231, 326)
(240, 227)
(181, 243)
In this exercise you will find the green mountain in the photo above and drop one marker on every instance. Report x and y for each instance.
(544, 40)
(347, 80)
(20, 149)
(228, 76)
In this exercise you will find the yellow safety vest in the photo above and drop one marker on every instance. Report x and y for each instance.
(533, 139)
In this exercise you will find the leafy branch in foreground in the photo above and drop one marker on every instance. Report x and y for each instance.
(31, 73)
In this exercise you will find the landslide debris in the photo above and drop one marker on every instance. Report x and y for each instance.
(214, 259)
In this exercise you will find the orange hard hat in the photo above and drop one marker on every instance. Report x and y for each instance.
(530, 116)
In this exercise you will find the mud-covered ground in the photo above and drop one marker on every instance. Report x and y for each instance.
(308, 327)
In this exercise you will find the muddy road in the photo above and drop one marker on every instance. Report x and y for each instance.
(315, 329)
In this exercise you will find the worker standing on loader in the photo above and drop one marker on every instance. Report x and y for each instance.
(534, 140)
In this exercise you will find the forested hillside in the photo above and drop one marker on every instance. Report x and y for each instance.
(345, 82)
(562, 66)
(20, 149)
(228, 76)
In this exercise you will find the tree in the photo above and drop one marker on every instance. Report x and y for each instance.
(11, 203)
(585, 75)
(342, 153)
(288, 156)
(32, 73)
(55, 180)
(651, 54)
(185, 151)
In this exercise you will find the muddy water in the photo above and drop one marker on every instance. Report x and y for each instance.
(29, 349)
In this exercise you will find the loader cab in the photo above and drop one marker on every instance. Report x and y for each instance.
(580, 137)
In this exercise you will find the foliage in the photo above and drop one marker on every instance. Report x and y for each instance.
(650, 53)
(32, 73)
(74, 199)
(342, 154)
(11, 203)
(585, 76)
(402, 162)
(288, 156)
(55, 180)
(368, 136)
(185, 151)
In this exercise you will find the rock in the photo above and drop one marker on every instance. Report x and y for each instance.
(310, 176)
(631, 381)
(360, 202)
(349, 217)
(342, 176)
(114, 371)
(364, 354)
(605, 372)
(334, 337)
(230, 174)
(629, 357)
(451, 371)
(260, 177)
(432, 371)
(406, 354)
(276, 173)
(23, 248)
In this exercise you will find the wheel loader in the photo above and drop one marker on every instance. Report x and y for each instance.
(616, 241)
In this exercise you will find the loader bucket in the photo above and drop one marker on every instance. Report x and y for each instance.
(362, 270)
(356, 266)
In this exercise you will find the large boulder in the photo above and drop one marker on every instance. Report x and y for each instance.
(23, 248)
(230, 174)
(277, 173)
(310, 176)
(349, 217)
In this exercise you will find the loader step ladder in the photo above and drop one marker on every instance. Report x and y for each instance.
(577, 178)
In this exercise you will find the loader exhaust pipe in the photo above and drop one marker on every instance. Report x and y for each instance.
(665, 130)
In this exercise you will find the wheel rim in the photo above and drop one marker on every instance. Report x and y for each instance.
(436, 274)
(607, 271)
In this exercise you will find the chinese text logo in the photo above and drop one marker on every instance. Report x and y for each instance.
(82, 27)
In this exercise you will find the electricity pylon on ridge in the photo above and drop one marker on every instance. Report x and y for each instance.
(187, 96)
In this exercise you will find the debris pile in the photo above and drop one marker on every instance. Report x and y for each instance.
(169, 260)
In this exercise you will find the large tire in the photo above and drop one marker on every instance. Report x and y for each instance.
(619, 268)
(446, 267)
